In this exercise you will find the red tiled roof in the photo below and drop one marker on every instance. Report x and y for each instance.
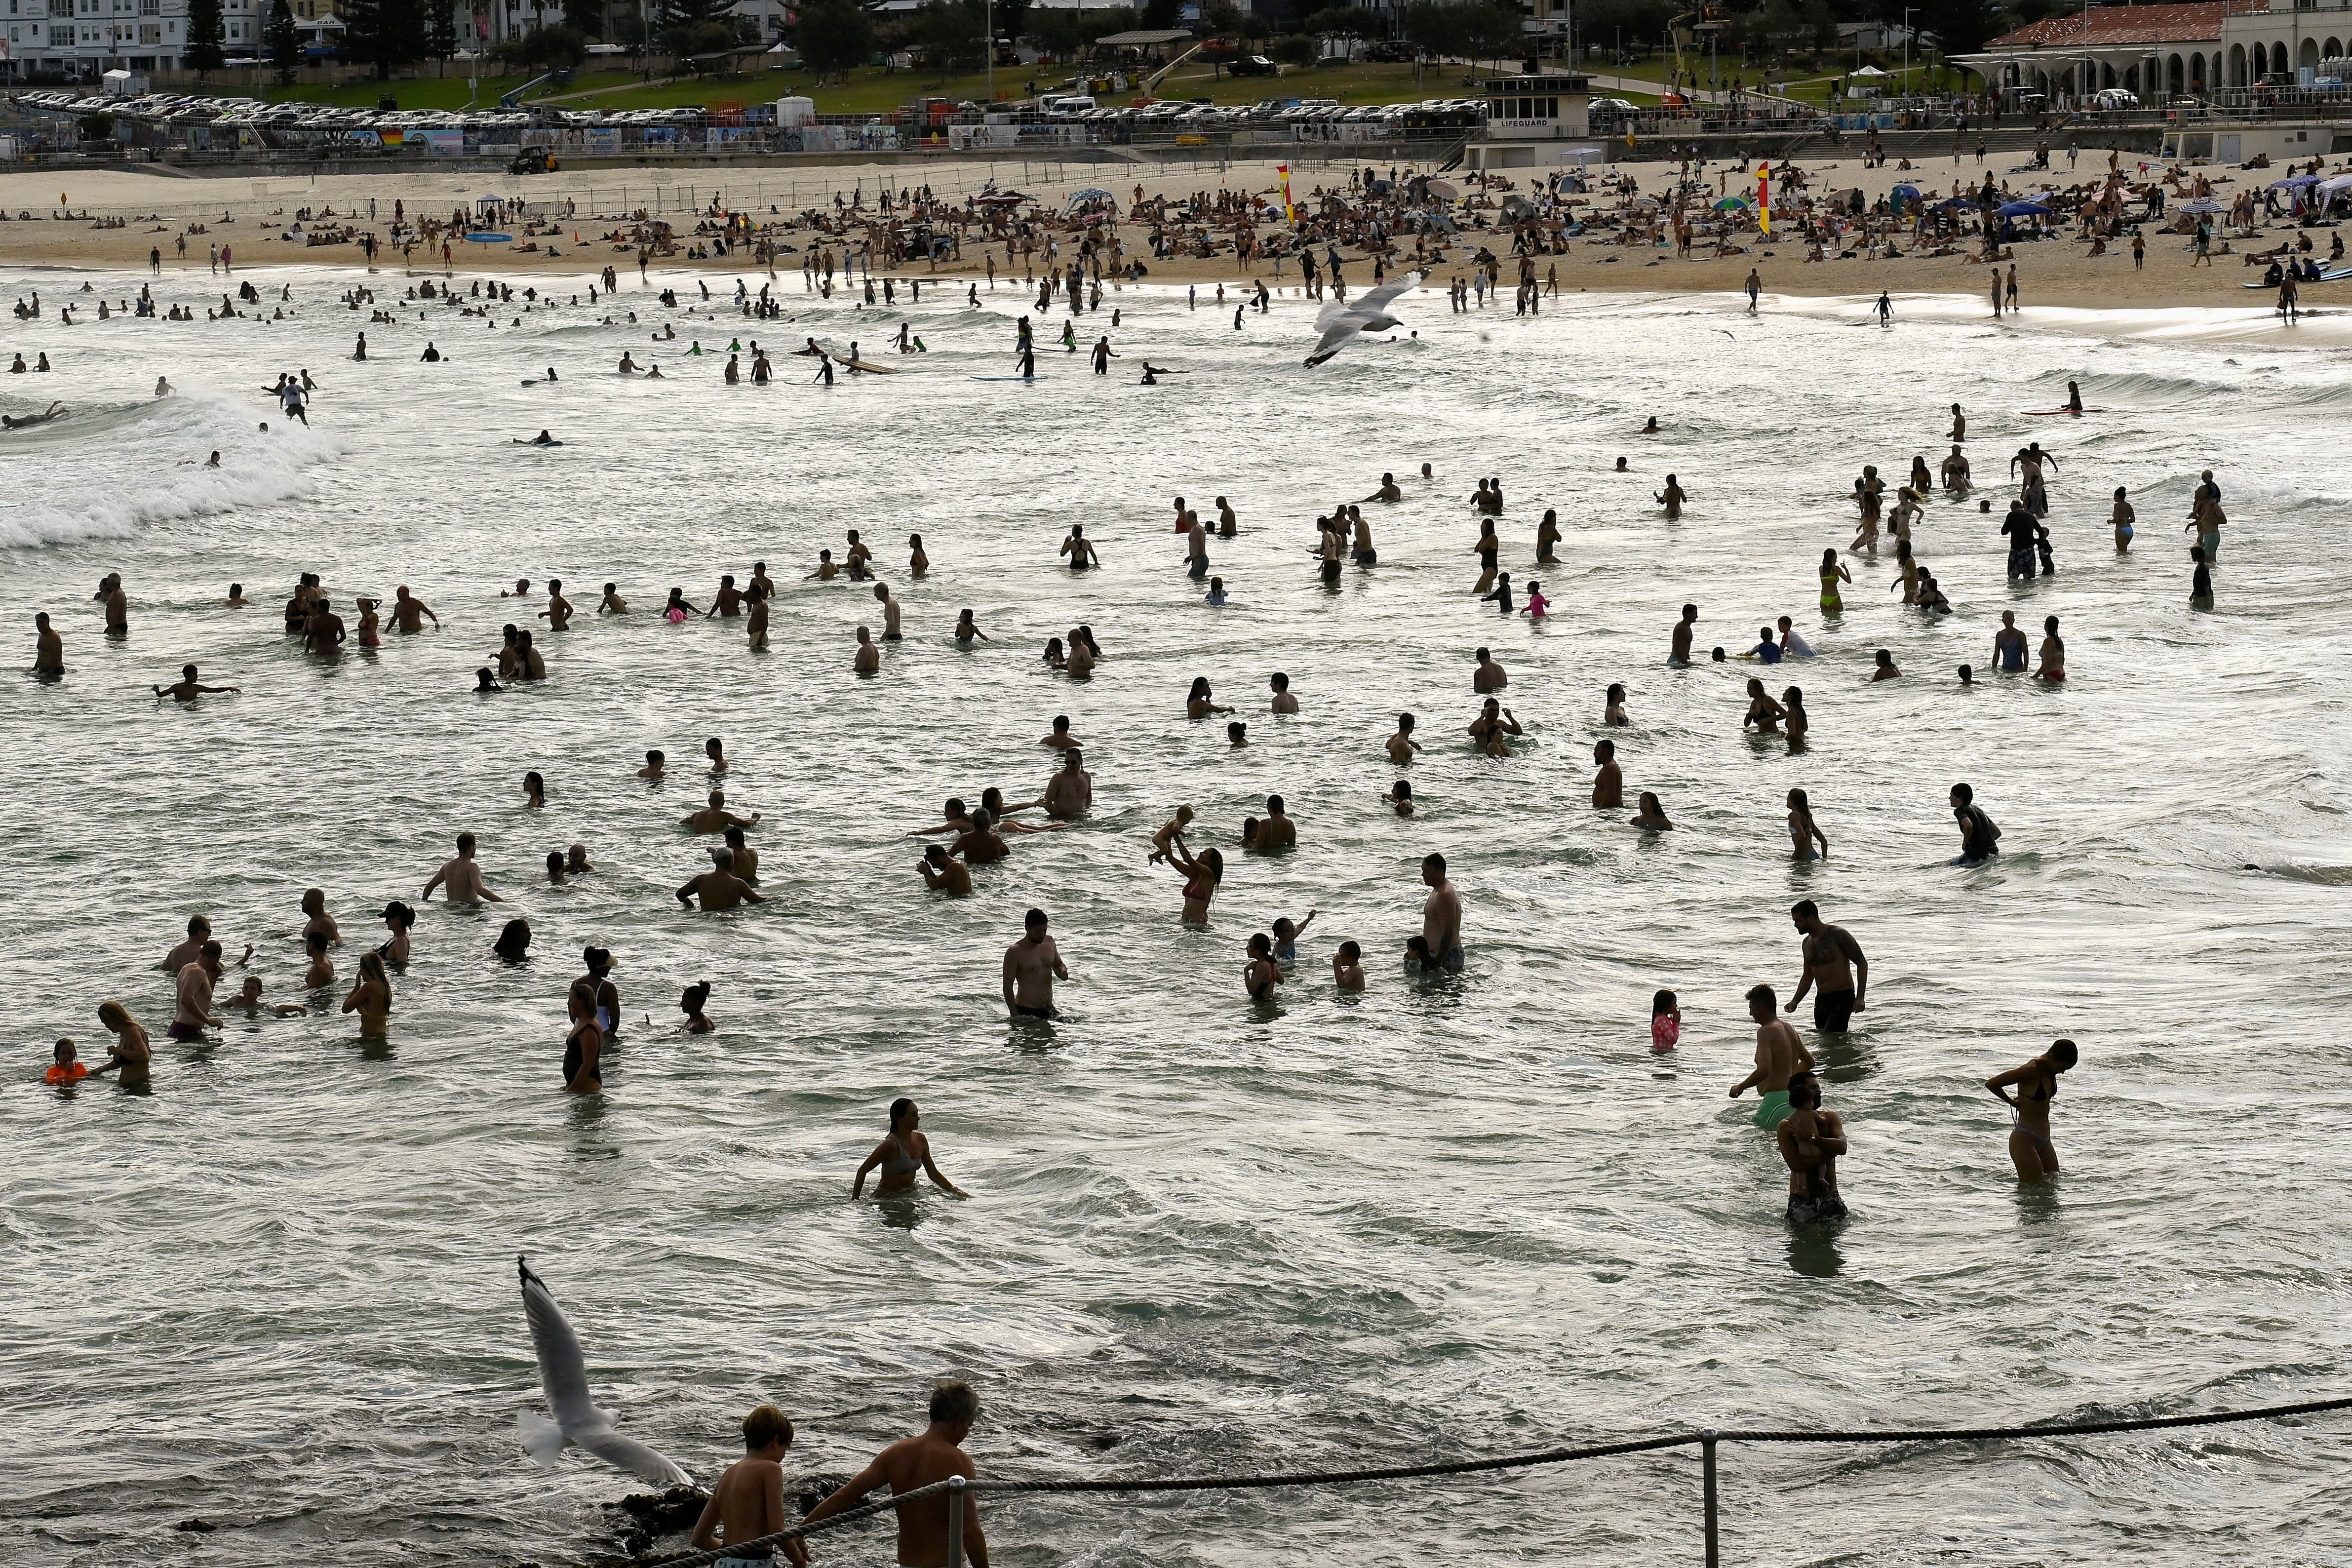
(2188, 24)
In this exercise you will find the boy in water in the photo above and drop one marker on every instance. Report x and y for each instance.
(1811, 1140)
(748, 1501)
(1348, 967)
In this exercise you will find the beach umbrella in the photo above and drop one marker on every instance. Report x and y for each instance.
(1442, 190)
(1912, 192)
(1731, 203)
(2294, 181)
(2202, 205)
(2031, 209)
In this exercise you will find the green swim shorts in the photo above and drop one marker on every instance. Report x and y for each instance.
(1774, 1110)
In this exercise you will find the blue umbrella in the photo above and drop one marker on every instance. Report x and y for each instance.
(1910, 190)
(2024, 209)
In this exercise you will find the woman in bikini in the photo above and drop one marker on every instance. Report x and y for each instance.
(900, 1156)
(397, 918)
(2030, 1149)
(1762, 712)
(583, 1051)
(370, 996)
(371, 632)
(1200, 879)
(130, 1053)
(1198, 703)
(1794, 718)
(1802, 833)
(1833, 573)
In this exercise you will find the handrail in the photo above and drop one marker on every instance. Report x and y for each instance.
(1707, 1439)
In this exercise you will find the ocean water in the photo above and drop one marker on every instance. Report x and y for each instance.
(1435, 1219)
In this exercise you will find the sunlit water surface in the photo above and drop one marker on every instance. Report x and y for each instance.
(1437, 1219)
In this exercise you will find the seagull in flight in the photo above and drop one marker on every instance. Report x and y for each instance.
(563, 1375)
(1366, 313)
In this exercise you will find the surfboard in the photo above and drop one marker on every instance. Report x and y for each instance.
(1006, 378)
(2046, 413)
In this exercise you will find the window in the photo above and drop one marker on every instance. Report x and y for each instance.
(149, 7)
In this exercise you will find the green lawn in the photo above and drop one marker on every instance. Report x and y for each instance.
(877, 92)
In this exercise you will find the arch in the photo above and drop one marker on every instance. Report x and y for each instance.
(2335, 49)
(2107, 77)
(2310, 55)
(2172, 74)
(2197, 73)
(2278, 59)
(2237, 64)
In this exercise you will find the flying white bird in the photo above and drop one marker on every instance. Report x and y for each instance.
(1366, 313)
(563, 1375)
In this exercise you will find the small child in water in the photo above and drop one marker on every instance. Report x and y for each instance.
(1348, 967)
(1171, 832)
(1287, 935)
(691, 1004)
(63, 1068)
(1665, 1023)
(1215, 597)
(1537, 602)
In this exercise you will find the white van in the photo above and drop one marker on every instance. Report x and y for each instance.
(1066, 106)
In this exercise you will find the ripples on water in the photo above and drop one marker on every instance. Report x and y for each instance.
(1429, 1220)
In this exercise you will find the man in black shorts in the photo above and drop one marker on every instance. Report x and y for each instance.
(1030, 967)
(1835, 970)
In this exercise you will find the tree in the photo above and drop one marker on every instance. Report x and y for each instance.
(1339, 21)
(1433, 27)
(696, 27)
(1958, 26)
(832, 35)
(952, 33)
(585, 17)
(1492, 32)
(383, 34)
(440, 29)
(1162, 15)
(284, 44)
(204, 52)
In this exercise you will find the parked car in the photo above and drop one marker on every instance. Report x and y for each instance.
(1253, 65)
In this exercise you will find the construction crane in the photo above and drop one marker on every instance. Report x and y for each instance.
(1151, 84)
(560, 76)
(1709, 16)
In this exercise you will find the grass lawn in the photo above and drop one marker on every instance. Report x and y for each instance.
(874, 90)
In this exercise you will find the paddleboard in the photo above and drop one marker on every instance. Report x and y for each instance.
(1005, 378)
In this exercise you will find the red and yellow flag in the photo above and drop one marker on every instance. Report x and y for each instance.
(1288, 214)
(1764, 195)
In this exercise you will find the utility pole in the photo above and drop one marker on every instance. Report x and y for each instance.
(988, 12)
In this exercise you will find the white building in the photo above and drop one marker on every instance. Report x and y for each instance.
(85, 39)
(2161, 52)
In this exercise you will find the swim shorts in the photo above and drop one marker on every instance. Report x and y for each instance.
(1774, 1110)
(180, 1031)
(1021, 1012)
(1832, 1010)
(1451, 960)
(2020, 563)
(1815, 1211)
(1199, 568)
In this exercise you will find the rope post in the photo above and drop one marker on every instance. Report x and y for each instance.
(1707, 1475)
(955, 1522)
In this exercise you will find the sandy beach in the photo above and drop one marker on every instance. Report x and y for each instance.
(251, 215)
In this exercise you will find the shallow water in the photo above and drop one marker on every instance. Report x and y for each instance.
(1432, 1220)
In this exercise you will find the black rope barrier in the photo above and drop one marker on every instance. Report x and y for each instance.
(1707, 1439)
